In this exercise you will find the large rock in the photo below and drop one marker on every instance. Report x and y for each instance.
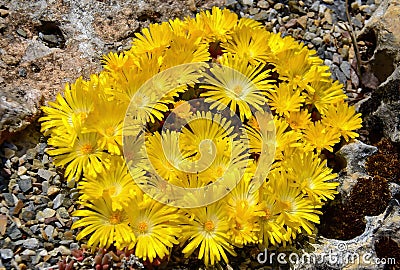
(44, 44)
(383, 31)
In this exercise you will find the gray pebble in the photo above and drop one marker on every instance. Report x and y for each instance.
(263, 15)
(58, 200)
(337, 74)
(46, 174)
(10, 199)
(25, 184)
(345, 67)
(317, 41)
(6, 253)
(49, 231)
(309, 36)
(63, 213)
(14, 232)
(315, 6)
(31, 243)
(27, 215)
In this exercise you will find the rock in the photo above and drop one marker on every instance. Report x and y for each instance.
(31, 243)
(25, 184)
(263, 15)
(345, 67)
(19, 106)
(302, 21)
(63, 213)
(263, 4)
(52, 190)
(46, 174)
(8, 153)
(383, 107)
(383, 28)
(58, 200)
(6, 253)
(49, 231)
(355, 155)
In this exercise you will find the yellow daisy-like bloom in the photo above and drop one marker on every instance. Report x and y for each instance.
(324, 94)
(238, 85)
(114, 62)
(185, 50)
(207, 227)
(165, 155)
(155, 226)
(153, 39)
(109, 124)
(218, 23)
(244, 211)
(311, 176)
(271, 232)
(285, 99)
(295, 210)
(248, 44)
(115, 182)
(343, 118)
(321, 136)
(106, 226)
(205, 126)
(299, 120)
(84, 154)
(69, 112)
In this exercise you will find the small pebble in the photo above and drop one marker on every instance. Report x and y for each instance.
(31, 243)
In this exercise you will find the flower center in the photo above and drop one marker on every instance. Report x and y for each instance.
(238, 90)
(110, 131)
(267, 214)
(87, 149)
(142, 226)
(209, 226)
(116, 218)
(285, 205)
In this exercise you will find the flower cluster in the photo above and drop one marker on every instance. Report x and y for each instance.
(137, 125)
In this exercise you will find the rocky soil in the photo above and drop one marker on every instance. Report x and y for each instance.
(44, 44)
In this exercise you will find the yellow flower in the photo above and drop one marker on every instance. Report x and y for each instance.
(244, 211)
(324, 94)
(165, 155)
(343, 117)
(153, 39)
(115, 182)
(114, 62)
(84, 154)
(218, 23)
(248, 45)
(155, 226)
(271, 232)
(320, 136)
(299, 120)
(206, 230)
(285, 99)
(69, 112)
(106, 226)
(311, 175)
(238, 85)
(295, 210)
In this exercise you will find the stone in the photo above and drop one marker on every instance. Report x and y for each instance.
(46, 174)
(302, 21)
(384, 27)
(24, 184)
(31, 243)
(63, 213)
(9, 153)
(52, 190)
(6, 253)
(315, 6)
(345, 68)
(49, 231)
(263, 4)
(355, 155)
(263, 15)
(58, 200)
